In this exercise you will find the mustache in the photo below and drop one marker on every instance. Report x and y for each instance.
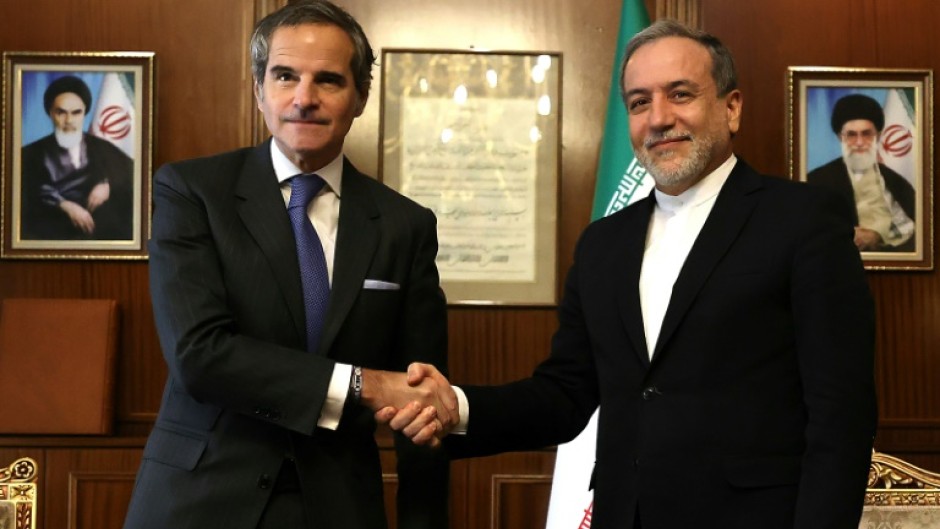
(658, 137)
(300, 116)
(863, 152)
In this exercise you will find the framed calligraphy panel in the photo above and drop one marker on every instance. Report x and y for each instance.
(475, 137)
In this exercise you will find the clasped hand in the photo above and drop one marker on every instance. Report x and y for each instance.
(421, 403)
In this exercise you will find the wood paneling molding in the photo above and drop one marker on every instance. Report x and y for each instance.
(99, 500)
(685, 11)
(259, 131)
(520, 501)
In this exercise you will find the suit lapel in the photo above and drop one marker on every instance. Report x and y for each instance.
(357, 238)
(259, 207)
(734, 205)
(627, 266)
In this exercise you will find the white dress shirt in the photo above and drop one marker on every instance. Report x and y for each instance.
(676, 223)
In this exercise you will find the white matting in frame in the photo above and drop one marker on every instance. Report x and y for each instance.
(475, 136)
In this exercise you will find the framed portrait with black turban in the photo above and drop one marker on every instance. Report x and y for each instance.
(77, 144)
(867, 135)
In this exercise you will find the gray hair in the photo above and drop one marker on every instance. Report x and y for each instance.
(314, 12)
(723, 72)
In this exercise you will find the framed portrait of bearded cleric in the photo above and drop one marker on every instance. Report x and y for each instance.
(76, 155)
(867, 135)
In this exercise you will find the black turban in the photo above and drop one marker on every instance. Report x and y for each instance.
(64, 85)
(857, 106)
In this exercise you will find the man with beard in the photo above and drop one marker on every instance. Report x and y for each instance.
(75, 185)
(883, 200)
(723, 325)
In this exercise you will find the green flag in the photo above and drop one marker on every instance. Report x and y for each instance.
(619, 174)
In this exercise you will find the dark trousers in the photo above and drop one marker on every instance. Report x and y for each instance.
(285, 508)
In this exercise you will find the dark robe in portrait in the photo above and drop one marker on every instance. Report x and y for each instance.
(49, 176)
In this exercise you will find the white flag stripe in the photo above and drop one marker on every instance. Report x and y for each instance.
(570, 503)
(113, 118)
(898, 138)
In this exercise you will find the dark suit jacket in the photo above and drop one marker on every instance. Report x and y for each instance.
(835, 176)
(242, 393)
(757, 409)
(113, 219)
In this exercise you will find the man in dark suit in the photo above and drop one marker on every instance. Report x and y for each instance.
(263, 424)
(75, 185)
(723, 325)
(883, 201)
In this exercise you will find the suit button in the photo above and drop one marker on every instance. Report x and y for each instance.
(636, 463)
(650, 393)
(264, 481)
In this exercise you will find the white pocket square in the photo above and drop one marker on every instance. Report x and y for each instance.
(375, 284)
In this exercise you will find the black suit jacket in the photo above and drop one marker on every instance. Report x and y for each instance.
(242, 394)
(757, 409)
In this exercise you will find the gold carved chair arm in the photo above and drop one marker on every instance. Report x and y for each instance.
(18, 494)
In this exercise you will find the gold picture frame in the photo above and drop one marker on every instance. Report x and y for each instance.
(77, 144)
(891, 184)
(475, 137)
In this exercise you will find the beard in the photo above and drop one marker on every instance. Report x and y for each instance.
(859, 161)
(68, 140)
(665, 166)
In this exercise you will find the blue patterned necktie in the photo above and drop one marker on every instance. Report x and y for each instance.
(313, 273)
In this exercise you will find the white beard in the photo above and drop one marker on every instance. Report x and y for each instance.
(859, 162)
(68, 140)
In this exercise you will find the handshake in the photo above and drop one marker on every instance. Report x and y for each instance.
(420, 403)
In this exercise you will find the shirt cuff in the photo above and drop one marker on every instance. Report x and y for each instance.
(332, 409)
(463, 408)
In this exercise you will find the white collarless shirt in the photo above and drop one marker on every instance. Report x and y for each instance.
(674, 226)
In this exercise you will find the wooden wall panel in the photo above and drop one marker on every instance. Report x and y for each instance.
(509, 491)
(88, 488)
(98, 500)
(520, 501)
